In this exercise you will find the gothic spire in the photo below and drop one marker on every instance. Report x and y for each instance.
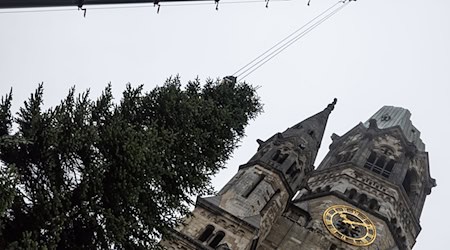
(313, 126)
(299, 143)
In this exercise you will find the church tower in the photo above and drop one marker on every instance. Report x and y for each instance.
(367, 193)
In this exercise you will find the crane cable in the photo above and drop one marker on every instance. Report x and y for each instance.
(134, 6)
(289, 40)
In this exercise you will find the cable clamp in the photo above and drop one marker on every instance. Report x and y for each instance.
(156, 3)
(217, 4)
(80, 7)
(229, 79)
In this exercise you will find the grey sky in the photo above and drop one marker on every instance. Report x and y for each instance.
(372, 53)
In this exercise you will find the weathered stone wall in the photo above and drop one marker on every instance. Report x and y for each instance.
(237, 236)
(390, 202)
(291, 232)
(266, 202)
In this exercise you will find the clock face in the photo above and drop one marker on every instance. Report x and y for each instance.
(349, 225)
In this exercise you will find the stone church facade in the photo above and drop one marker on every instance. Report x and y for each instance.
(367, 193)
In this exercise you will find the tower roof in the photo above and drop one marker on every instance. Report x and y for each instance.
(314, 125)
(390, 116)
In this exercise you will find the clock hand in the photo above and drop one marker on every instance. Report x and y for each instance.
(343, 216)
(349, 222)
(357, 223)
(346, 220)
(354, 223)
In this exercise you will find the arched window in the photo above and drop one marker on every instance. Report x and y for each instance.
(276, 155)
(362, 199)
(351, 193)
(410, 184)
(206, 233)
(223, 246)
(379, 164)
(252, 187)
(293, 170)
(219, 236)
(279, 157)
(373, 204)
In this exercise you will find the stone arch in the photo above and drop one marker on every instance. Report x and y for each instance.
(279, 156)
(351, 193)
(373, 204)
(387, 150)
(362, 199)
(209, 229)
(223, 246)
(219, 236)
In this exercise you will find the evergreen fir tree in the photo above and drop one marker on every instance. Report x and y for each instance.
(102, 175)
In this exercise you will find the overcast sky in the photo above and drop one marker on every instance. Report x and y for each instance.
(372, 53)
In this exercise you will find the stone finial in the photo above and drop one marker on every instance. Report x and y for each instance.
(330, 106)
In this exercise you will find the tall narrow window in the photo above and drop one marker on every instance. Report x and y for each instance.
(293, 170)
(276, 155)
(271, 200)
(372, 158)
(206, 233)
(219, 236)
(294, 174)
(351, 193)
(279, 157)
(409, 184)
(247, 193)
(373, 204)
(388, 168)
